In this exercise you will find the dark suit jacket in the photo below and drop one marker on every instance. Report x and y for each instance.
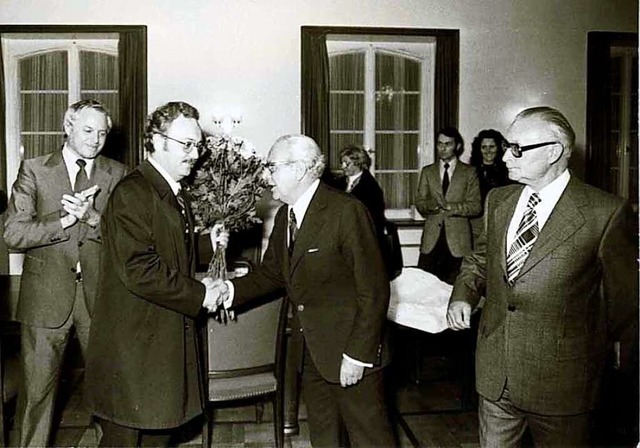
(370, 194)
(463, 195)
(48, 283)
(546, 336)
(335, 280)
(144, 366)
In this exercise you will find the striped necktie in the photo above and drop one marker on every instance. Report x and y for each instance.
(526, 236)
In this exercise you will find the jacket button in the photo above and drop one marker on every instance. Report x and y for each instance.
(511, 307)
(80, 243)
(186, 326)
(300, 308)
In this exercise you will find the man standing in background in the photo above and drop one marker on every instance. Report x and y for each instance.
(557, 264)
(448, 196)
(54, 217)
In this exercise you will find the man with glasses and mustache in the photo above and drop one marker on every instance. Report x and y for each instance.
(54, 217)
(557, 264)
(145, 366)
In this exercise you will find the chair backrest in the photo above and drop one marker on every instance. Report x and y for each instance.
(250, 343)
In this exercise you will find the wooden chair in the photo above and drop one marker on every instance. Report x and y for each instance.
(246, 360)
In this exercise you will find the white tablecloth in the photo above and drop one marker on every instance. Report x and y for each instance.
(419, 300)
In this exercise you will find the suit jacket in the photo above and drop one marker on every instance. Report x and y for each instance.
(370, 194)
(144, 364)
(546, 336)
(48, 283)
(335, 280)
(463, 195)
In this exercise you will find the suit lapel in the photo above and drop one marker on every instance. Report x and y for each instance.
(58, 181)
(564, 221)
(312, 225)
(435, 183)
(503, 214)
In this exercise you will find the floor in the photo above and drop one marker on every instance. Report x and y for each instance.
(429, 411)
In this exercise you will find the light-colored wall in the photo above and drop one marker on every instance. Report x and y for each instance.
(244, 55)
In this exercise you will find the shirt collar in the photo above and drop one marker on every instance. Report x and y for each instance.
(70, 158)
(302, 204)
(175, 186)
(452, 163)
(550, 193)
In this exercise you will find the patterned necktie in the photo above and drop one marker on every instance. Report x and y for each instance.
(525, 238)
(82, 180)
(293, 230)
(445, 179)
(181, 197)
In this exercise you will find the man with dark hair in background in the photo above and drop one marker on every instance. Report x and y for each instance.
(54, 217)
(448, 196)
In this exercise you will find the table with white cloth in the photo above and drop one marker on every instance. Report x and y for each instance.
(418, 305)
(419, 300)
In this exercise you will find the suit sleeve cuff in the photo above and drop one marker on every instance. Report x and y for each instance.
(356, 362)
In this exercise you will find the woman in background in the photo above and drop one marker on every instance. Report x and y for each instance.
(360, 182)
(486, 157)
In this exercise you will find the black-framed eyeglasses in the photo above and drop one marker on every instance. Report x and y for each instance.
(517, 150)
(187, 146)
(273, 166)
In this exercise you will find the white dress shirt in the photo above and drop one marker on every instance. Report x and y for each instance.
(452, 167)
(175, 186)
(549, 196)
(70, 158)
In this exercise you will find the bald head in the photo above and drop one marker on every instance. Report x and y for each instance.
(546, 139)
(295, 163)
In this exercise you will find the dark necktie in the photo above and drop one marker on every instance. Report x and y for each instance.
(293, 230)
(525, 237)
(82, 180)
(183, 202)
(445, 179)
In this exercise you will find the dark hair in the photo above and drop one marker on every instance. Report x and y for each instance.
(358, 156)
(161, 118)
(451, 132)
(476, 153)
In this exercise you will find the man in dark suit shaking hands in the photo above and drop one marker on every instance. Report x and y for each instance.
(557, 264)
(324, 252)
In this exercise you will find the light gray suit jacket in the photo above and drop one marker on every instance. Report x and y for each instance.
(48, 283)
(463, 195)
(547, 335)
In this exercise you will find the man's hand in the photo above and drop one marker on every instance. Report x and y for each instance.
(219, 237)
(350, 373)
(216, 293)
(81, 206)
(459, 315)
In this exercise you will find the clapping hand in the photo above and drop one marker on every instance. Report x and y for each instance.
(79, 207)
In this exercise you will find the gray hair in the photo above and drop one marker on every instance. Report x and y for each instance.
(71, 115)
(303, 149)
(561, 127)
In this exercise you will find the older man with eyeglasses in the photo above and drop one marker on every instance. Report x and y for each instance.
(557, 264)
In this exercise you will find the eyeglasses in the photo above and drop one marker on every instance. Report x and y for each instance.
(273, 166)
(517, 150)
(187, 146)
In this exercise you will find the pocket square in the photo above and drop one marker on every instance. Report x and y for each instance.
(315, 249)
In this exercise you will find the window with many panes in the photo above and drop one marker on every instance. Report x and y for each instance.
(381, 97)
